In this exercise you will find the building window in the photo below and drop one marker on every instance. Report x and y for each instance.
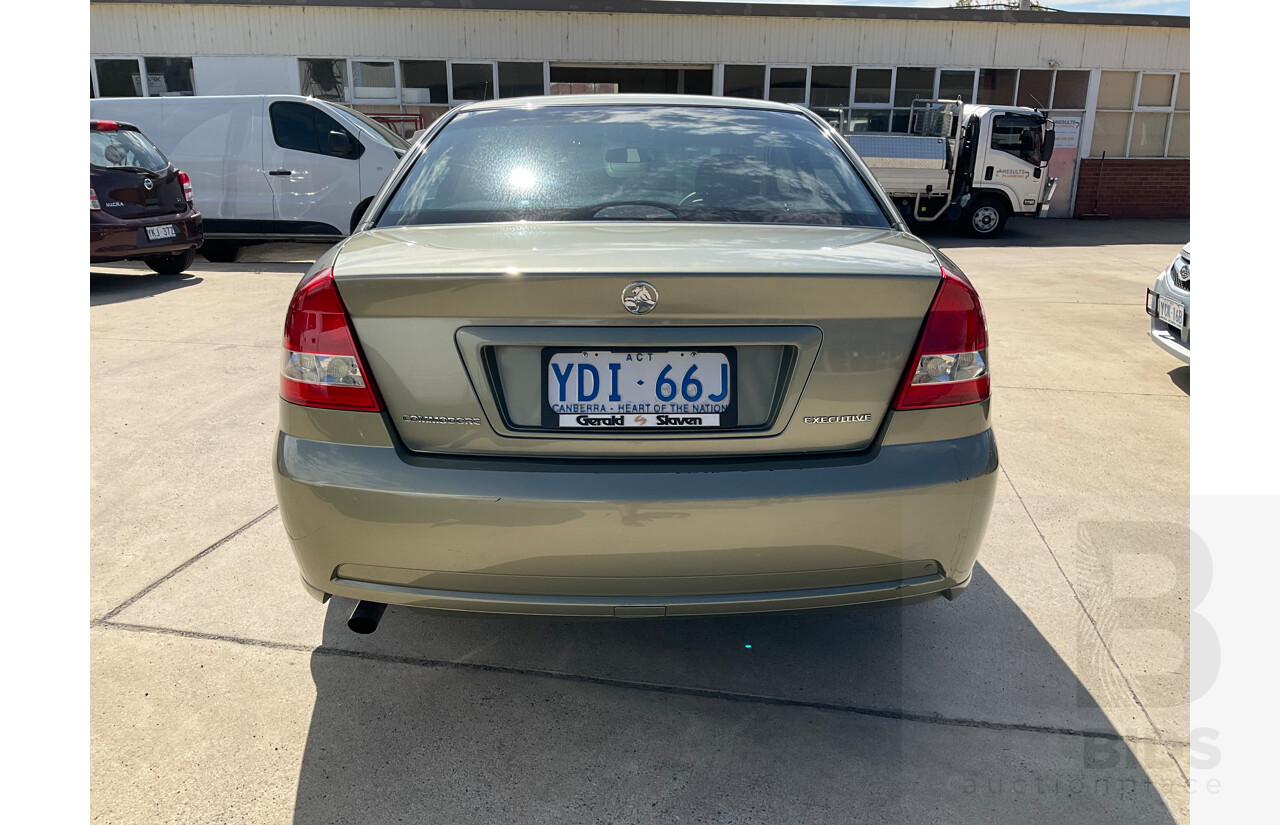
(873, 86)
(142, 76)
(373, 80)
(996, 87)
(1035, 88)
(954, 84)
(1115, 91)
(1156, 90)
(119, 77)
(520, 79)
(1070, 89)
(1142, 115)
(324, 78)
(169, 76)
(744, 81)
(424, 81)
(829, 86)
(788, 84)
(473, 81)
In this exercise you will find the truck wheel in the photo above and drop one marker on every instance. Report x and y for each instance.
(220, 252)
(985, 217)
(174, 264)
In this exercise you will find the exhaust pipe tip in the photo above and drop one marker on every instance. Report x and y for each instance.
(364, 619)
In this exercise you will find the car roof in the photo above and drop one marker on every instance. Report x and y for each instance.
(631, 100)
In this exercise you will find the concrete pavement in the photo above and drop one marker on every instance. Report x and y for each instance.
(1055, 690)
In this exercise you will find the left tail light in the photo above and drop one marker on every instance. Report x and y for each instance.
(94, 206)
(321, 364)
(949, 366)
(185, 180)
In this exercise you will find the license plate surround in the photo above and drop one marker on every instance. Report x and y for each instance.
(159, 233)
(728, 418)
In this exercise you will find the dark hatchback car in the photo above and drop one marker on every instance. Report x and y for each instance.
(140, 207)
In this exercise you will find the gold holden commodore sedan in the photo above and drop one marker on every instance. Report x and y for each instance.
(633, 356)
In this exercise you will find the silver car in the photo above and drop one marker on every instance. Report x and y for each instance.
(633, 356)
(1169, 305)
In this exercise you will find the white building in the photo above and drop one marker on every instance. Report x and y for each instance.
(1117, 84)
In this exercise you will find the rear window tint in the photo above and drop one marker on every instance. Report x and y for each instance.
(124, 149)
(678, 163)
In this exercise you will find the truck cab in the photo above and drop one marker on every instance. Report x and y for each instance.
(1011, 146)
(979, 165)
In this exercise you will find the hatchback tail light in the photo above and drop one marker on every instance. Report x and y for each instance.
(321, 365)
(185, 180)
(949, 366)
(93, 201)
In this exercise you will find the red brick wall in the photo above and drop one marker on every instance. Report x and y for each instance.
(1130, 188)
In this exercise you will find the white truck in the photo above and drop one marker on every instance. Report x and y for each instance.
(959, 162)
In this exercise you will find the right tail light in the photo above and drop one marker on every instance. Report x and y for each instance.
(321, 366)
(949, 366)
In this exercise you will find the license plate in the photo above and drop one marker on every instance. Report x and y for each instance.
(667, 389)
(158, 233)
(1170, 311)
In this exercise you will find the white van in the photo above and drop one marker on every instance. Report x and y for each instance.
(266, 167)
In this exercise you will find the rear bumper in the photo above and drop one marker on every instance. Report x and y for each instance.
(636, 538)
(116, 239)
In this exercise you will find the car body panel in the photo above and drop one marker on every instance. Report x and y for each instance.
(426, 301)
(590, 536)
(811, 512)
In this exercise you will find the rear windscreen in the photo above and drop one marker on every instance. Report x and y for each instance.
(124, 149)
(597, 163)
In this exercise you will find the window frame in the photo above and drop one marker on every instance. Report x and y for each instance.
(141, 61)
(396, 100)
(808, 78)
(493, 75)
(1135, 109)
(848, 103)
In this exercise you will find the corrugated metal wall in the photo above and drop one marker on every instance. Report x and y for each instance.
(188, 30)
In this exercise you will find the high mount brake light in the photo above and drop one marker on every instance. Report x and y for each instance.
(185, 180)
(321, 365)
(949, 366)
(106, 125)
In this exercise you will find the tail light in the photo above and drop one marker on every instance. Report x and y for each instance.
(93, 201)
(949, 366)
(321, 366)
(185, 180)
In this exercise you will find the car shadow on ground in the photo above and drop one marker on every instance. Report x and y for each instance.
(949, 711)
(1060, 232)
(114, 287)
(1181, 378)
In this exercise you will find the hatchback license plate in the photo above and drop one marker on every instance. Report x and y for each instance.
(602, 389)
(159, 233)
(1170, 311)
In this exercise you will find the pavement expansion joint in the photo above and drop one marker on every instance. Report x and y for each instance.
(115, 611)
(653, 687)
(1166, 743)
